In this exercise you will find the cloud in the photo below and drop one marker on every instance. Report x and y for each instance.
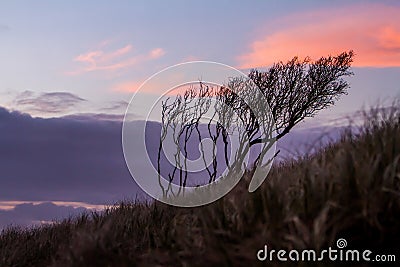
(150, 87)
(116, 106)
(96, 57)
(54, 102)
(9, 205)
(371, 30)
(127, 87)
(62, 159)
(100, 60)
(117, 53)
(28, 214)
(157, 84)
(95, 116)
(156, 53)
(72, 162)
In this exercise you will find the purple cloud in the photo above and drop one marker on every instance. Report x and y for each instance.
(80, 159)
(62, 159)
(54, 102)
(28, 214)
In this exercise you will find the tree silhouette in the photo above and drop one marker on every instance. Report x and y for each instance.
(300, 88)
(262, 108)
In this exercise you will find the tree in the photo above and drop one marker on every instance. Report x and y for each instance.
(300, 88)
(262, 108)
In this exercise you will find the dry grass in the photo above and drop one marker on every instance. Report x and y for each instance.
(349, 189)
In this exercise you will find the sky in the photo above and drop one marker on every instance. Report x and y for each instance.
(78, 63)
(92, 56)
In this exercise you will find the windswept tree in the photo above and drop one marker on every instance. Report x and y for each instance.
(262, 109)
(300, 88)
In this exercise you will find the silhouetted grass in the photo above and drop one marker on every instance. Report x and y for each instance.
(349, 189)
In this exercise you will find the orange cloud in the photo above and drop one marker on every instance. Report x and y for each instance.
(100, 60)
(149, 87)
(156, 88)
(127, 87)
(372, 31)
(158, 84)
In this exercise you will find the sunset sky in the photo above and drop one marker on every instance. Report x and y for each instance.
(89, 57)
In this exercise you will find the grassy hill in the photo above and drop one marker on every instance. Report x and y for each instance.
(349, 189)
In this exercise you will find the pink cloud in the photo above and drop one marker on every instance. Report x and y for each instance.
(117, 53)
(127, 87)
(372, 31)
(89, 57)
(150, 87)
(156, 53)
(100, 60)
(168, 86)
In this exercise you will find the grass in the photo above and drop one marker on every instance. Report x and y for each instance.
(348, 189)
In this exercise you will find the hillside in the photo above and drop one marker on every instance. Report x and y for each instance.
(348, 189)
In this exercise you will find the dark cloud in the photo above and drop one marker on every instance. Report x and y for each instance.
(54, 102)
(116, 105)
(24, 95)
(62, 159)
(80, 159)
(95, 116)
(29, 214)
